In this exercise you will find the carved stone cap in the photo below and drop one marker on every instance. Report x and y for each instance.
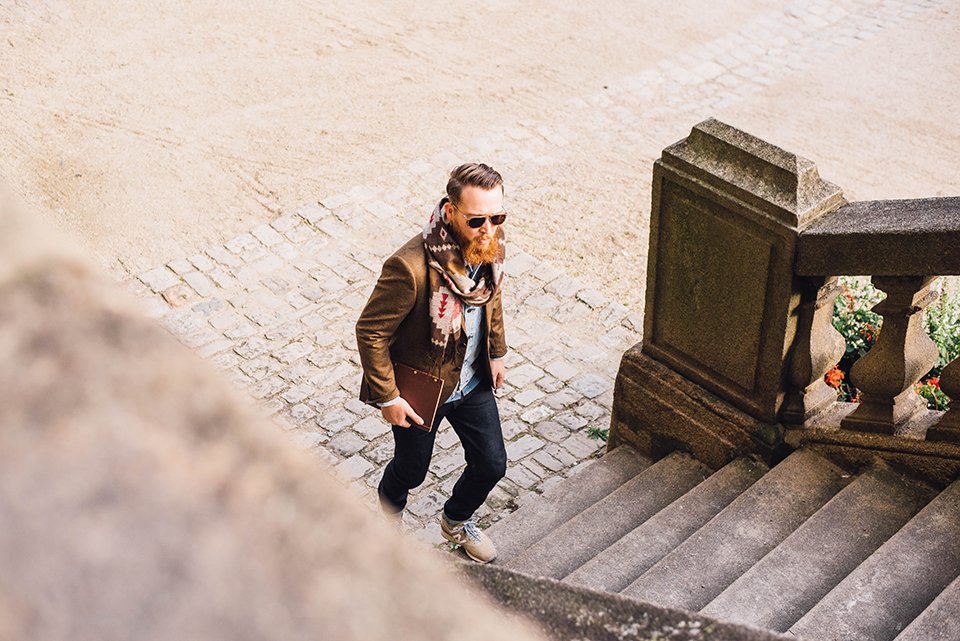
(914, 237)
(786, 186)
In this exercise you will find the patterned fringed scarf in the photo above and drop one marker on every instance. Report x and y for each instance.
(450, 286)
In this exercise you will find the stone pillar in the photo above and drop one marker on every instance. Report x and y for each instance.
(902, 354)
(721, 306)
(818, 347)
(721, 299)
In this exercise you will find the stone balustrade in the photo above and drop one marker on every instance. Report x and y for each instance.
(903, 245)
(746, 246)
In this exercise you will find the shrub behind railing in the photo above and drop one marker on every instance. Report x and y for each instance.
(859, 325)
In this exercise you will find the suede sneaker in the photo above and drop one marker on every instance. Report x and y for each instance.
(467, 535)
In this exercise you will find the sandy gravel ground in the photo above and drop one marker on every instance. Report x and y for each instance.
(152, 130)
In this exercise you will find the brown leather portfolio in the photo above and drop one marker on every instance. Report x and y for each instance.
(421, 390)
(418, 388)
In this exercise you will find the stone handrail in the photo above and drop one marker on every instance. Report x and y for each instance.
(883, 238)
(903, 245)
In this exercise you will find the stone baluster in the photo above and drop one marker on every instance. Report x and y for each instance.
(902, 354)
(948, 429)
(817, 348)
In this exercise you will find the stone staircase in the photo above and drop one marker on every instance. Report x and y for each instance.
(803, 548)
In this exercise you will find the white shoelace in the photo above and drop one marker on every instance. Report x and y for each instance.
(470, 528)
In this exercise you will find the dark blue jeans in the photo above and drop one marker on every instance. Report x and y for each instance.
(476, 421)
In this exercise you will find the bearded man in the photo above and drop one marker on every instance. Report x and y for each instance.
(437, 308)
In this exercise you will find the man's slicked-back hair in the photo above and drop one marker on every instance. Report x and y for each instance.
(475, 174)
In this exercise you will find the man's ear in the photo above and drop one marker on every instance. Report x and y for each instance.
(446, 211)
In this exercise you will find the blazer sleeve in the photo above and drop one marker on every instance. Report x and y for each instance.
(392, 299)
(498, 341)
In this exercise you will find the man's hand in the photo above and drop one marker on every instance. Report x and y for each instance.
(498, 371)
(398, 413)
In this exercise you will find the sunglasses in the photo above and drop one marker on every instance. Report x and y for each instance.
(475, 221)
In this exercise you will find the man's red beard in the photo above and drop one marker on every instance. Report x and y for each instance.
(476, 253)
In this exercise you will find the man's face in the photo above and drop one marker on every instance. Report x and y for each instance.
(478, 245)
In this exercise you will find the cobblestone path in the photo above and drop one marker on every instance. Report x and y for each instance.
(274, 308)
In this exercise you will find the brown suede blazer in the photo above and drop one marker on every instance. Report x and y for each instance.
(394, 326)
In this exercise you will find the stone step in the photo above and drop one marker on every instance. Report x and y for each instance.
(791, 579)
(568, 612)
(621, 563)
(744, 532)
(897, 582)
(939, 622)
(573, 543)
(517, 531)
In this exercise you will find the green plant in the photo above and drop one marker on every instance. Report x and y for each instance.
(600, 434)
(942, 321)
(859, 326)
(930, 390)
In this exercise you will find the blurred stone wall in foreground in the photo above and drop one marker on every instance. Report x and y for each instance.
(141, 498)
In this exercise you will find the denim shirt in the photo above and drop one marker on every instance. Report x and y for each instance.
(473, 326)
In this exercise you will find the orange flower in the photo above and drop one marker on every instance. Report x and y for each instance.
(935, 381)
(834, 377)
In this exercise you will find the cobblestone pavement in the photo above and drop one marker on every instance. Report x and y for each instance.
(274, 308)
